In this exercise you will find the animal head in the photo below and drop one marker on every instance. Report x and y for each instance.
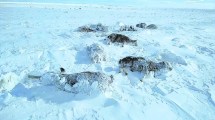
(133, 42)
(71, 79)
(62, 70)
(165, 65)
(152, 66)
(112, 36)
(125, 60)
(118, 37)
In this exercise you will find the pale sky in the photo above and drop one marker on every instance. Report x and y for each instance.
(210, 4)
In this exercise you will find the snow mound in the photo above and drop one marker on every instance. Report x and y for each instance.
(96, 53)
(8, 81)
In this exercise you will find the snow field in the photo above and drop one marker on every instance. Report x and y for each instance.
(36, 40)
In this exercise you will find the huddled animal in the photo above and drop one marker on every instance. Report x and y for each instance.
(99, 27)
(127, 28)
(103, 80)
(89, 76)
(145, 26)
(131, 63)
(151, 26)
(153, 66)
(93, 28)
(141, 25)
(120, 39)
(140, 64)
(85, 29)
(96, 53)
(119, 27)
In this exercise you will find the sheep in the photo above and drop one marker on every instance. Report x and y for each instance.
(140, 64)
(121, 39)
(131, 63)
(119, 27)
(151, 26)
(141, 25)
(93, 28)
(99, 27)
(85, 29)
(127, 28)
(90, 77)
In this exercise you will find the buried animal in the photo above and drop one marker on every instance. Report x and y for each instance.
(90, 77)
(93, 28)
(120, 39)
(140, 64)
(131, 63)
(119, 27)
(96, 53)
(127, 28)
(151, 26)
(141, 25)
(145, 26)
(76, 82)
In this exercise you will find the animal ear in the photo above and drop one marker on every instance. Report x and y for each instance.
(62, 70)
(111, 76)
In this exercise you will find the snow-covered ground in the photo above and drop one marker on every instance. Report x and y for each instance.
(36, 39)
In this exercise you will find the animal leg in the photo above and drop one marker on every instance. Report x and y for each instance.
(122, 45)
(124, 71)
(120, 70)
